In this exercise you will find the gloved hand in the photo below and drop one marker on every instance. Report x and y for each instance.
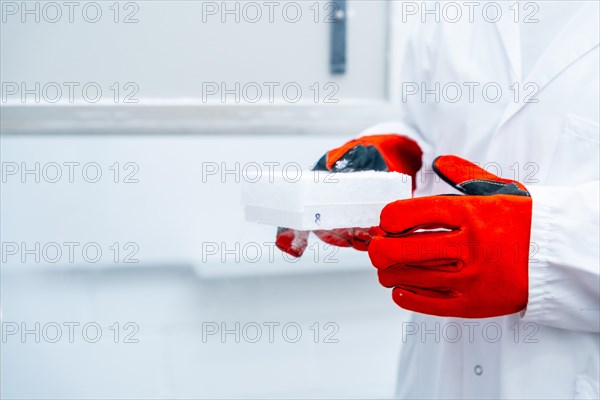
(390, 152)
(458, 256)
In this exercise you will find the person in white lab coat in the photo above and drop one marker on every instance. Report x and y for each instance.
(541, 131)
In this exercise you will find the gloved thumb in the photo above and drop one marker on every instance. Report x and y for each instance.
(471, 179)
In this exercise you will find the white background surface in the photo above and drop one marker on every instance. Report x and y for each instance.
(171, 361)
(170, 213)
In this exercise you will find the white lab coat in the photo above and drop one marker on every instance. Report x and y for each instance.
(553, 350)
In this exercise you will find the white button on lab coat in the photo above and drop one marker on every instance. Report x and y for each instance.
(552, 349)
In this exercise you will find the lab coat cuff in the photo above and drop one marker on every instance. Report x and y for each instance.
(540, 304)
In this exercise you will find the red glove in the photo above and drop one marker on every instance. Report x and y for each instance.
(390, 152)
(475, 265)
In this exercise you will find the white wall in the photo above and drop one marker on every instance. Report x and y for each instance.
(170, 214)
(169, 306)
(176, 46)
(171, 72)
(171, 292)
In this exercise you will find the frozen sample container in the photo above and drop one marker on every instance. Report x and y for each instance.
(311, 200)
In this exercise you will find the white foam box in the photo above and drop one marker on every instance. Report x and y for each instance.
(311, 200)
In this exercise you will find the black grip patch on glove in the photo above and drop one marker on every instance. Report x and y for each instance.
(358, 158)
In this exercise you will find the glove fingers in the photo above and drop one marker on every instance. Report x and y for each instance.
(430, 251)
(403, 216)
(420, 276)
(291, 241)
(362, 238)
(358, 238)
(337, 237)
(441, 303)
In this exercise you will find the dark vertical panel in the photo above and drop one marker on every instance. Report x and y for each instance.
(337, 64)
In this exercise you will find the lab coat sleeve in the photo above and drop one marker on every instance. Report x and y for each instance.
(415, 67)
(564, 271)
